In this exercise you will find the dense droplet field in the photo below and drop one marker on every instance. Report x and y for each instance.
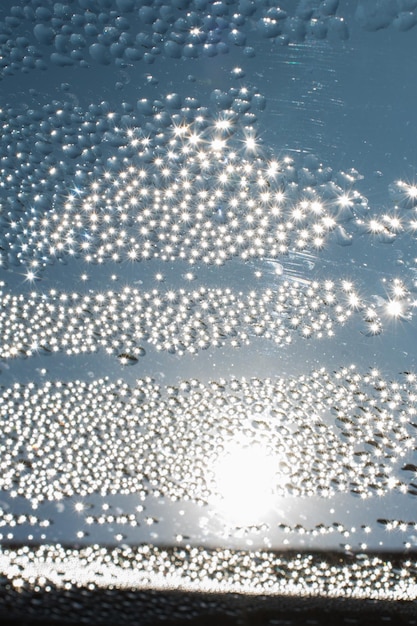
(180, 321)
(207, 310)
(128, 439)
(213, 571)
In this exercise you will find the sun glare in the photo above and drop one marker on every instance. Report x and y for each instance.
(245, 478)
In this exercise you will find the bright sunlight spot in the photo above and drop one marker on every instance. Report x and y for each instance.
(244, 482)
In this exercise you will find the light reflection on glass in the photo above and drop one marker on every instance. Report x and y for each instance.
(245, 475)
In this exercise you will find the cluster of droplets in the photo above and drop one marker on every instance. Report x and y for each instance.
(373, 15)
(397, 524)
(323, 529)
(47, 150)
(38, 34)
(121, 519)
(179, 321)
(199, 192)
(400, 220)
(44, 149)
(171, 181)
(200, 569)
(326, 433)
(336, 528)
(11, 520)
(38, 526)
(128, 31)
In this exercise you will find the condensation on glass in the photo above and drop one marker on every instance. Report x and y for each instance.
(207, 303)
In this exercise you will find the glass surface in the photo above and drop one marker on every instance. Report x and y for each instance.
(208, 289)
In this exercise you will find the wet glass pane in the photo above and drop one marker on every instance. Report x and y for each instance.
(208, 268)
